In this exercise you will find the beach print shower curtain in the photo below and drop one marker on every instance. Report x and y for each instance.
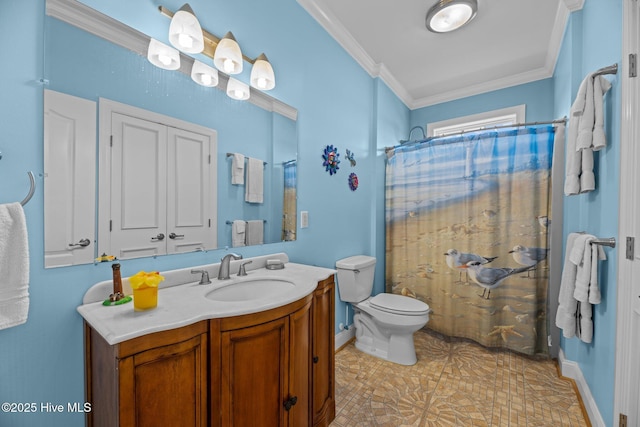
(466, 232)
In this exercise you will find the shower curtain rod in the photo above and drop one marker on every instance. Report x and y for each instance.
(550, 122)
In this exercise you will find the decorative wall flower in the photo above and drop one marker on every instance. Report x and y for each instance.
(353, 181)
(331, 161)
(142, 279)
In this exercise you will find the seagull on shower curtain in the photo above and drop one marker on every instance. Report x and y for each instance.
(528, 256)
(457, 259)
(489, 278)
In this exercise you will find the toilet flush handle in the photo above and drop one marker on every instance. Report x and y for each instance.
(356, 271)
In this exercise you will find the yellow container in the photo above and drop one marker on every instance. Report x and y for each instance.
(145, 298)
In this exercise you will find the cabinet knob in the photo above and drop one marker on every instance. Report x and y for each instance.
(160, 236)
(175, 236)
(315, 359)
(290, 403)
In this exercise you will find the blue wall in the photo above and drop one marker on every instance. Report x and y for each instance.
(593, 39)
(338, 103)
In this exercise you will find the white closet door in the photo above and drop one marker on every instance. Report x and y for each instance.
(70, 179)
(138, 187)
(189, 217)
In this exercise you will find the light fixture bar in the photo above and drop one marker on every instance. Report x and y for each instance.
(210, 40)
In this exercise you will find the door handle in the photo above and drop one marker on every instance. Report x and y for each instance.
(176, 236)
(82, 242)
(160, 236)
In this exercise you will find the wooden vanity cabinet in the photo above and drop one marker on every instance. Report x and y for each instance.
(263, 362)
(160, 378)
(271, 368)
(323, 390)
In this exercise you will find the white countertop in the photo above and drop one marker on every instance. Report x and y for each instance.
(184, 304)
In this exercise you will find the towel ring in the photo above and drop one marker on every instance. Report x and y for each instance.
(32, 189)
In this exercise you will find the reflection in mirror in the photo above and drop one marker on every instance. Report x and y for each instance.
(86, 66)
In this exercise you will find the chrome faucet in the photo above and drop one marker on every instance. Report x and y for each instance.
(223, 272)
(204, 279)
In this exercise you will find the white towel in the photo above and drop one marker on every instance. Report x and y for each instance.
(586, 134)
(566, 314)
(238, 228)
(255, 182)
(597, 254)
(237, 169)
(581, 257)
(255, 232)
(14, 266)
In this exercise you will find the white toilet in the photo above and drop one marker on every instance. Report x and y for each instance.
(384, 323)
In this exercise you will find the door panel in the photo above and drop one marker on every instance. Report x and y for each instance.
(138, 187)
(189, 215)
(70, 177)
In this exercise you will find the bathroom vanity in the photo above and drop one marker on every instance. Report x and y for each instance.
(260, 366)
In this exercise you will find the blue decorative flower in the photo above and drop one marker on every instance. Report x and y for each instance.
(353, 181)
(331, 161)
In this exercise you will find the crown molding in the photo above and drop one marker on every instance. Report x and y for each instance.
(334, 27)
(90, 20)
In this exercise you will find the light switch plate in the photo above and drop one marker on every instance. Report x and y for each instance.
(304, 219)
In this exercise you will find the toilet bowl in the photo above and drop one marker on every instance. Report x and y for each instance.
(384, 323)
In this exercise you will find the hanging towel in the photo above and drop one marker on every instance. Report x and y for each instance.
(566, 314)
(238, 228)
(254, 185)
(14, 266)
(237, 169)
(597, 254)
(586, 134)
(255, 232)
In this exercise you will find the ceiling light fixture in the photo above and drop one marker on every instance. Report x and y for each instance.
(449, 15)
(185, 33)
(228, 56)
(262, 76)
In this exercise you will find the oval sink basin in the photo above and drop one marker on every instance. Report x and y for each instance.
(248, 290)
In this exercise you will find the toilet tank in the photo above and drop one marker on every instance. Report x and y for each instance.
(355, 277)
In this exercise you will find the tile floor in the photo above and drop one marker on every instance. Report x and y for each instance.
(454, 383)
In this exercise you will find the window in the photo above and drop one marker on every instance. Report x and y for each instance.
(503, 117)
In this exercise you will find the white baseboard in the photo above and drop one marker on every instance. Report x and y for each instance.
(571, 369)
(345, 336)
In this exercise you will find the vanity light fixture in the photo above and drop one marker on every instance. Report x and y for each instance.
(185, 33)
(449, 15)
(203, 74)
(163, 56)
(228, 58)
(262, 76)
(237, 90)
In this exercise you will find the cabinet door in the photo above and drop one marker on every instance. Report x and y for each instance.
(323, 354)
(138, 187)
(255, 378)
(189, 213)
(165, 386)
(70, 179)
(300, 367)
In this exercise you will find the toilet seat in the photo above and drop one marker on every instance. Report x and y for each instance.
(399, 304)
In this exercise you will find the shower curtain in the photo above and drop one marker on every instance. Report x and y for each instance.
(466, 232)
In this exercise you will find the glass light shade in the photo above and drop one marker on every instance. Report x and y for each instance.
(228, 56)
(237, 90)
(185, 32)
(449, 15)
(163, 56)
(262, 76)
(203, 74)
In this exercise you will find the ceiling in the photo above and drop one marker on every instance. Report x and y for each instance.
(509, 42)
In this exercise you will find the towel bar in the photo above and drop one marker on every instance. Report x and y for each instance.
(231, 222)
(609, 241)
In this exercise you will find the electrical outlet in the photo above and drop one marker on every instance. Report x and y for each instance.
(304, 219)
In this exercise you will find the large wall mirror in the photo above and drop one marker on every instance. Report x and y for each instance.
(83, 65)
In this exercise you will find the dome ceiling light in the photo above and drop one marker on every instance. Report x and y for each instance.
(449, 15)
